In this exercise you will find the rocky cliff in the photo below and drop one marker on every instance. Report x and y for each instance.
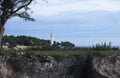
(20, 66)
(107, 67)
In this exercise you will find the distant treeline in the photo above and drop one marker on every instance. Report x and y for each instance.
(42, 44)
(23, 40)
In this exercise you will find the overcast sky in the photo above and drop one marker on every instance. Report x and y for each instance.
(82, 22)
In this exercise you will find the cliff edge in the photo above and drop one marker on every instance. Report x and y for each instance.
(79, 66)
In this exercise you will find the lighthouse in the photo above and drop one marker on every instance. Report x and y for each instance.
(51, 39)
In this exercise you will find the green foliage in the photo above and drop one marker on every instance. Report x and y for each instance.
(56, 45)
(12, 8)
(35, 43)
(99, 54)
(24, 40)
(44, 58)
(102, 47)
(30, 55)
(10, 41)
(7, 52)
(43, 48)
(33, 49)
(67, 45)
(17, 64)
(59, 58)
(46, 48)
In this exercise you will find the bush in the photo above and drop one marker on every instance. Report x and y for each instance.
(44, 58)
(47, 48)
(30, 55)
(16, 63)
(59, 58)
(102, 47)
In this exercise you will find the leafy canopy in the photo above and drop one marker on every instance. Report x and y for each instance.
(11, 8)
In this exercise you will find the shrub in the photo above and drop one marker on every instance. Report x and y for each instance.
(59, 58)
(44, 58)
(102, 47)
(30, 55)
(17, 64)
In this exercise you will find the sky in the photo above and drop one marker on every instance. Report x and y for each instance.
(82, 22)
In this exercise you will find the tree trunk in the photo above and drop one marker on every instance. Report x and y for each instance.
(1, 34)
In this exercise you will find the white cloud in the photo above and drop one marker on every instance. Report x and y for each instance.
(78, 6)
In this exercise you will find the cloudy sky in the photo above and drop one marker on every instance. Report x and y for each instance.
(82, 22)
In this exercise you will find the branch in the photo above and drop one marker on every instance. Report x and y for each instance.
(25, 16)
(20, 8)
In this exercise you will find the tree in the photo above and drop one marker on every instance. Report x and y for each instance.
(67, 45)
(13, 8)
(25, 41)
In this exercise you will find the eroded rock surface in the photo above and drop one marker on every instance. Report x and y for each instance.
(20, 66)
(108, 67)
(69, 67)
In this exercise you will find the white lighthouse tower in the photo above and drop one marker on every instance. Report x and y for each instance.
(51, 39)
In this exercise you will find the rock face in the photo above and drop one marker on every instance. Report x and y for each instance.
(107, 67)
(5, 69)
(47, 67)
(59, 67)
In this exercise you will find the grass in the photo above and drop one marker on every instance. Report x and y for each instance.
(7, 52)
(60, 52)
(109, 53)
(66, 53)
